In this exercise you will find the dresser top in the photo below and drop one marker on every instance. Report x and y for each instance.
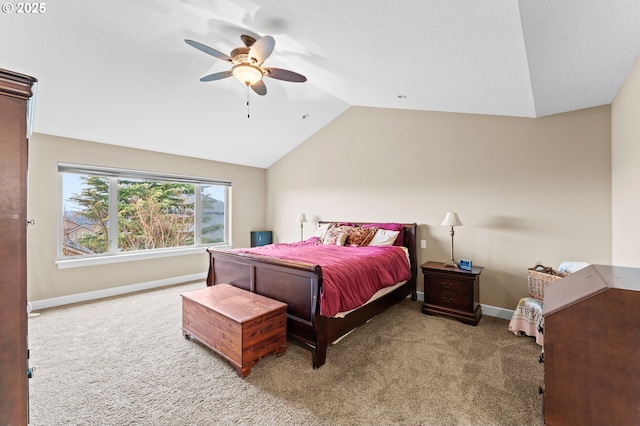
(588, 282)
(439, 266)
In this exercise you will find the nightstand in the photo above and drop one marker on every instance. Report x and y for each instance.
(452, 292)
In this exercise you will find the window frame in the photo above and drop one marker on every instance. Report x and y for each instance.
(113, 256)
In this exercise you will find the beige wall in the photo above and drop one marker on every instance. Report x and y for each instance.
(625, 188)
(46, 281)
(527, 190)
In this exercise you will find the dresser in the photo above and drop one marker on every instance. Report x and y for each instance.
(15, 91)
(452, 292)
(592, 347)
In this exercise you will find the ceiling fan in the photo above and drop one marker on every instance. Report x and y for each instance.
(247, 63)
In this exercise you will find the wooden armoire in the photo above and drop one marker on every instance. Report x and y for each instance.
(15, 92)
(592, 348)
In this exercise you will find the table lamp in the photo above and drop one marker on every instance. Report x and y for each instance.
(452, 220)
(302, 219)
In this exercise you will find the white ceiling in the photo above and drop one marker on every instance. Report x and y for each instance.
(119, 72)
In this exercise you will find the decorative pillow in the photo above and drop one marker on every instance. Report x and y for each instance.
(389, 227)
(321, 232)
(342, 239)
(334, 231)
(384, 237)
(361, 236)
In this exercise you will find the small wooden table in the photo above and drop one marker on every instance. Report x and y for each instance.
(241, 326)
(453, 292)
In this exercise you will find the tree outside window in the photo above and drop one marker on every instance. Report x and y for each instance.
(150, 214)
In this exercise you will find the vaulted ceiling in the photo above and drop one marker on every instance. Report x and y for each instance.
(119, 72)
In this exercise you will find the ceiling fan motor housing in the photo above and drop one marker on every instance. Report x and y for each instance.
(240, 55)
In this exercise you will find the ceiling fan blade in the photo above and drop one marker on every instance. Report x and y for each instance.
(209, 50)
(247, 40)
(285, 75)
(261, 50)
(259, 87)
(217, 76)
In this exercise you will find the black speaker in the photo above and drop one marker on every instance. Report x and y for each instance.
(260, 238)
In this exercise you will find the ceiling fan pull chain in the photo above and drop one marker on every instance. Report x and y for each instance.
(248, 111)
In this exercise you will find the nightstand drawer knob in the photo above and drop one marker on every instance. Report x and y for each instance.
(446, 284)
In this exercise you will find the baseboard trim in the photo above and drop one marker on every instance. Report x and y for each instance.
(492, 311)
(495, 311)
(113, 291)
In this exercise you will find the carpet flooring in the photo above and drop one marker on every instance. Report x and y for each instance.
(123, 361)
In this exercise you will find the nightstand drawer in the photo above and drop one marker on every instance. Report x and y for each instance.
(448, 300)
(448, 285)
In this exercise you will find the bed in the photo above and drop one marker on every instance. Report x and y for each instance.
(300, 285)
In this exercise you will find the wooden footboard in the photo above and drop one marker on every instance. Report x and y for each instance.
(298, 285)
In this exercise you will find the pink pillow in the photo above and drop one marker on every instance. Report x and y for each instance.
(389, 227)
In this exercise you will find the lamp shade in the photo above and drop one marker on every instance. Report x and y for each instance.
(301, 218)
(451, 219)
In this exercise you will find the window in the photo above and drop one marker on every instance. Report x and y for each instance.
(114, 211)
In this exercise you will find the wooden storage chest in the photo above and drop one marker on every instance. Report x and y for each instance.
(241, 326)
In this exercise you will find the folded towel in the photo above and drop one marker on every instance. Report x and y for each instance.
(571, 267)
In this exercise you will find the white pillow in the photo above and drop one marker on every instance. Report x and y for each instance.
(384, 237)
(321, 231)
(342, 238)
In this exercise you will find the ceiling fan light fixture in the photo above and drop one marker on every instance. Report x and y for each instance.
(247, 63)
(247, 74)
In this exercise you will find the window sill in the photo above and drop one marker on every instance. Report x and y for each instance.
(131, 257)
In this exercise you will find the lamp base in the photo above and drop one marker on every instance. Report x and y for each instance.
(451, 263)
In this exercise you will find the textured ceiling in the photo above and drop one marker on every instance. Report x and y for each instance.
(119, 72)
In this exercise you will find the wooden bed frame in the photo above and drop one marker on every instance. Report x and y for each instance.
(298, 285)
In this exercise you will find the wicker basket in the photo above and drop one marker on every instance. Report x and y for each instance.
(541, 276)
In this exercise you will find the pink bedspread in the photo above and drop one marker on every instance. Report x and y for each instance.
(351, 275)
